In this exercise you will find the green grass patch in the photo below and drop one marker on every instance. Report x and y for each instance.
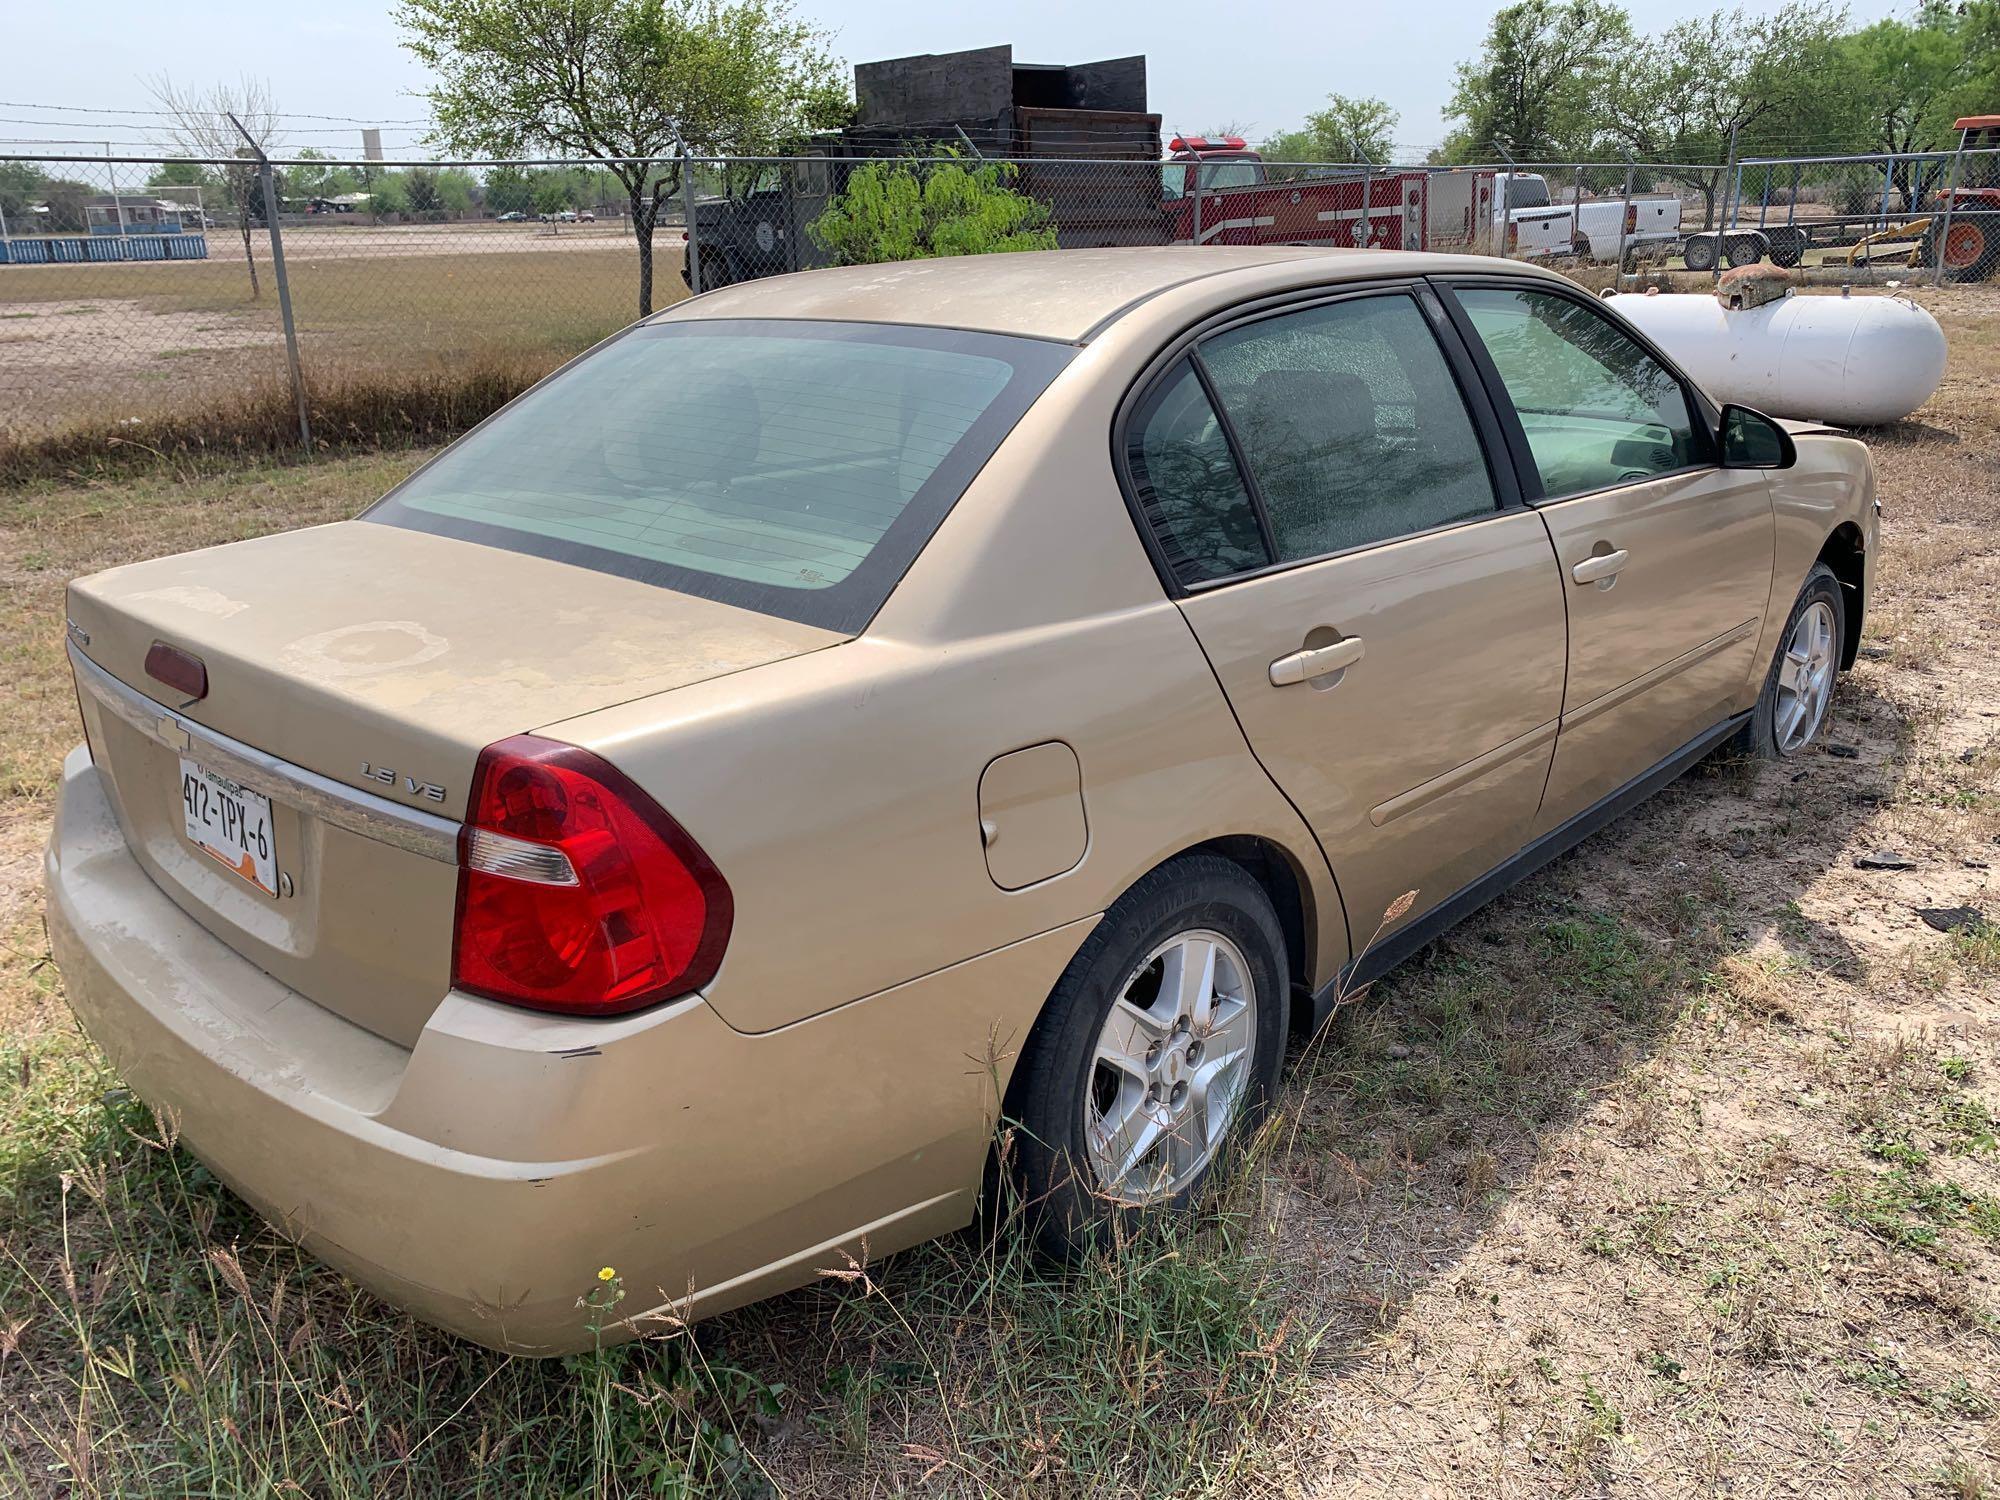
(164, 1341)
(1910, 1211)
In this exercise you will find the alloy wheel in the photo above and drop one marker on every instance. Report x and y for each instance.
(1170, 1066)
(1805, 678)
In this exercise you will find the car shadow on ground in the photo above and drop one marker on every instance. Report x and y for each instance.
(1451, 1080)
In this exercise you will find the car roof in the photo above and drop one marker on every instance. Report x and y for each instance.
(1053, 294)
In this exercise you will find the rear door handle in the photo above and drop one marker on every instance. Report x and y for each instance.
(1304, 666)
(1596, 569)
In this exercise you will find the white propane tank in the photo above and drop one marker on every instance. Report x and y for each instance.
(1856, 361)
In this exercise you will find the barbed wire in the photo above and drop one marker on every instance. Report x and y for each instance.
(99, 109)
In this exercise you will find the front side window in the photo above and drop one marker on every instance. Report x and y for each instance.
(792, 468)
(1350, 423)
(1598, 410)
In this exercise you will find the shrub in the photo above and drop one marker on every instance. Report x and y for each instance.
(913, 209)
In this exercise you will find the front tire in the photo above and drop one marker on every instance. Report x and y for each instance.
(1699, 253)
(1797, 696)
(1161, 1044)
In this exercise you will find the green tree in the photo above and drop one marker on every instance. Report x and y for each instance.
(21, 185)
(1533, 93)
(1759, 81)
(1906, 79)
(626, 82)
(386, 194)
(1979, 32)
(509, 191)
(308, 179)
(914, 209)
(420, 188)
(551, 191)
(456, 189)
(66, 199)
(1347, 130)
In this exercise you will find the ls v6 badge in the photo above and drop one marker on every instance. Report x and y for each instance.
(429, 790)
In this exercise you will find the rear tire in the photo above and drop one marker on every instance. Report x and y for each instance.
(1788, 246)
(1122, 1055)
(1972, 252)
(1797, 697)
(1699, 254)
(1743, 250)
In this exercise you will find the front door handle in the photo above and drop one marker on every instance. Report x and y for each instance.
(1600, 566)
(1304, 666)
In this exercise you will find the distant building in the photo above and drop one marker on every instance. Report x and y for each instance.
(135, 213)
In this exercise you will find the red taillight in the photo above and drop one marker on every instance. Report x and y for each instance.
(577, 892)
(1631, 218)
(1513, 236)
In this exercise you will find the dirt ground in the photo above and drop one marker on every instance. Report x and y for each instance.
(333, 240)
(1675, 1172)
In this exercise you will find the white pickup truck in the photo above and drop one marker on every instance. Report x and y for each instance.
(1530, 223)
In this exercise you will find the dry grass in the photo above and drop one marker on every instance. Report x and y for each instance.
(1675, 1172)
(102, 365)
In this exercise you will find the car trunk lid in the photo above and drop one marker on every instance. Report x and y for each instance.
(354, 673)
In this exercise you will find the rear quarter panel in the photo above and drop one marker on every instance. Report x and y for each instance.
(838, 792)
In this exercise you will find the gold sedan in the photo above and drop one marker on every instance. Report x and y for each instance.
(677, 825)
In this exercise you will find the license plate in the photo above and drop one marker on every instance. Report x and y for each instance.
(230, 824)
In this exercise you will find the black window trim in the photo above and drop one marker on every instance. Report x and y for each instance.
(1494, 442)
(1232, 440)
(1701, 412)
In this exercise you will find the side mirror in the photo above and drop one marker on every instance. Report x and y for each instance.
(1751, 440)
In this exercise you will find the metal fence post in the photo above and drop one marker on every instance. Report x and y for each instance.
(1197, 202)
(1624, 218)
(1365, 235)
(1943, 239)
(1722, 229)
(265, 178)
(693, 229)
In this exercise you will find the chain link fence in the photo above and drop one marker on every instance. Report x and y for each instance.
(369, 297)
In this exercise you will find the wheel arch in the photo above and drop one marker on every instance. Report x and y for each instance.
(1844, 553)
(1278, 871)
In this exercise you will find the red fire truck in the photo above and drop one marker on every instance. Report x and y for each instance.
(1244, 202)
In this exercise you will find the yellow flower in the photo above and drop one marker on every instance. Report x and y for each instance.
(606, 1274)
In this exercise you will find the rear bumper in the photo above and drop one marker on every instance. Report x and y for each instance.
(482, 1177)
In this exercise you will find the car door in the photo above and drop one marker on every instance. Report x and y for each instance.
(1666, 558)
(1384, 616)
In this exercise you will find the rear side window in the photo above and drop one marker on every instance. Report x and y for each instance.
(793, 468)
(1188, 485)
(1598, 410)
(1351, 424)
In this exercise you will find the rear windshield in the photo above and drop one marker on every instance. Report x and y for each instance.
(789, 467)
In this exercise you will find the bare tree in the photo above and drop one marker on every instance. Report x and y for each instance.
(197, 123)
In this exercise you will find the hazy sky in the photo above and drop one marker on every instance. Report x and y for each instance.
(1259, 63)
